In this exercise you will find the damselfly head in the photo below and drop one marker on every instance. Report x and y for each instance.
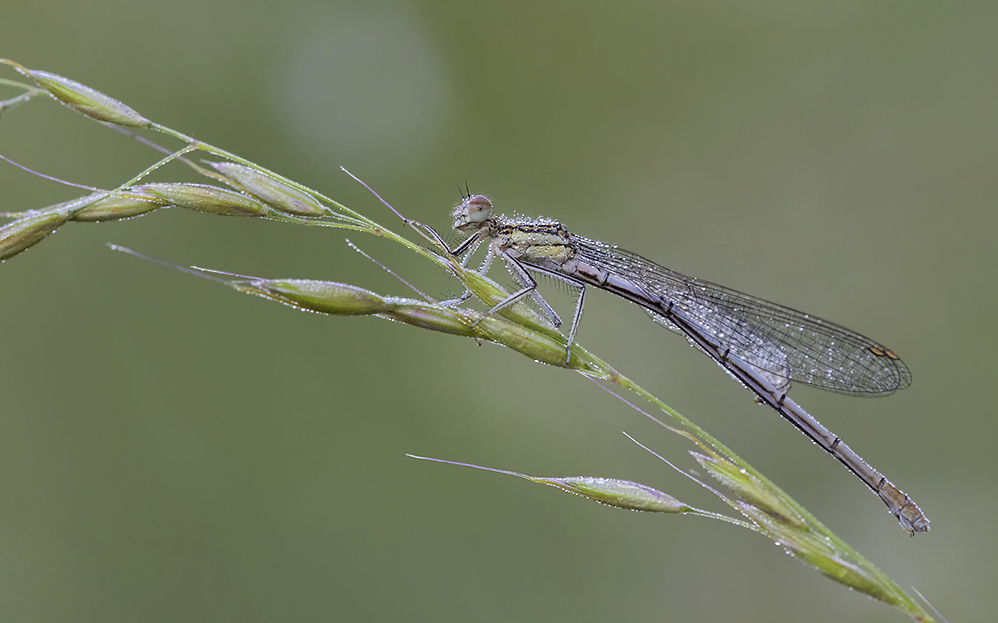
(472, 213)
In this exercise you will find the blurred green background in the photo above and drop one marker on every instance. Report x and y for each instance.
(171, 450)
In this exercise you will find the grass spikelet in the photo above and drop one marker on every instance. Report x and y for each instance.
(453, 321)
(206, 198)
(749, 489)
(25, 232)
(324, 297)
(615, 492)
(119, 207)
(340, 299)
(271, 191)
(81, 98)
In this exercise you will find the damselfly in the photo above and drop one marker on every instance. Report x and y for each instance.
(763, 345)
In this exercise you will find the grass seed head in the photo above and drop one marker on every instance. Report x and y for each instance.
(325, 297)
(433, 317)
(274, 193)
(619, 493)
(117, 207)
(83, 99)
(18, 235)
(205, 198)
(750, 490)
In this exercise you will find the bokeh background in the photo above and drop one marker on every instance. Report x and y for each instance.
(171, 450)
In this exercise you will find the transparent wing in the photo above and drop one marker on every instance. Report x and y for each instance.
(777, 339)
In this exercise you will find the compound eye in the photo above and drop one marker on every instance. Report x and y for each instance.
(478, 208)
(472, 213)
